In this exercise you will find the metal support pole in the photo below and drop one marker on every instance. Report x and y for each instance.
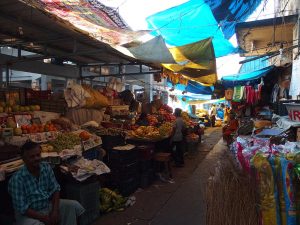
(19, 52)
(7, 75)
(1, 76)
(80, 74)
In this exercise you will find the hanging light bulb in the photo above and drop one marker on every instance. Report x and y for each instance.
(281, 51)
(20, 30)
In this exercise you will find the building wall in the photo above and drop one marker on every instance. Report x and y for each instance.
(290, 7)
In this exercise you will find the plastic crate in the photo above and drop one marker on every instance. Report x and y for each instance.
(108, 141)
(146, 165)
(122, 157)
(147, 178)
(88, 196)
(91, 154)
(129, 186)
(125, 172)
(146, 152)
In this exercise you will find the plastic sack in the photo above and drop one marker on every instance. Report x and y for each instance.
(267, 189)
(288, 190)
(75, 95)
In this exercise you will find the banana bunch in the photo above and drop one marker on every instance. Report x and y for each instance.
(111, 201)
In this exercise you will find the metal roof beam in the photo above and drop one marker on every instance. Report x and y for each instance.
(43, 29)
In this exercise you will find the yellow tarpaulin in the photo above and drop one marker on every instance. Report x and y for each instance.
(195, 61)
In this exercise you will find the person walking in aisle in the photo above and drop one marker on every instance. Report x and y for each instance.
(177, 138)
(213, 113)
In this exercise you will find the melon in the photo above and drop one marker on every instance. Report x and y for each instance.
(37, 108)
(32, 108)
(7, 109)
(18, 131)
(16, 108)
(11, 123)
(1, 109)
(26, 108)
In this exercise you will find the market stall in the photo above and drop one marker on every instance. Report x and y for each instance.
(262, 134)
(96, 140)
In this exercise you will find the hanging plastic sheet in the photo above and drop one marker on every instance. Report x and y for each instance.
(91, 17)
(188, 23)
(244, 78)
(154, 51)
(195, 61)
(193, 87)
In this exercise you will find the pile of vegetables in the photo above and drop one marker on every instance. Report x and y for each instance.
(111, 201)
(65, 141)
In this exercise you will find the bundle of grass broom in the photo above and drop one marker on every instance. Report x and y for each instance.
(230, 195)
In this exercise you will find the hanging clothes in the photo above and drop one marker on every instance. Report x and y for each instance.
(228, 94)
(258, 92)
(238, 92)
(249, 96)
(275, 92)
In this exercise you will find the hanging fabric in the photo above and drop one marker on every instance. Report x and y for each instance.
(228, 94)
(275, 92)
(238, 93)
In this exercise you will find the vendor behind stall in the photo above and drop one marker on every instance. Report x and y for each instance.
(230, 128)
(142, 120)
(35, 193)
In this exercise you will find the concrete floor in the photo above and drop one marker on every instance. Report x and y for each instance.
(178, 203)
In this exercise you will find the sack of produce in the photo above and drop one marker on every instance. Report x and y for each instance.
(97, 100)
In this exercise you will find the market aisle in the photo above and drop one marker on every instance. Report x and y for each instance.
(175, 203)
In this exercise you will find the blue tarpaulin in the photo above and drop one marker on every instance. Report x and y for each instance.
(230, 12)
(254, 64)
(244, 78)
(187, 23)
(193, 87)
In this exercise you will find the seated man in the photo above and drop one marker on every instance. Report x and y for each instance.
(35, 193)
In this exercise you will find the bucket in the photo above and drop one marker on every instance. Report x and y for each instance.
(293, 111)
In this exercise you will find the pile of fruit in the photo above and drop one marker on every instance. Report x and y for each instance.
(65, 141)
(167, 116)
(34, 128)
(109, 131)
(147, 132)
(47, 148)
(152, 120)
(84, 135)
(167, 108)
(187, 121)
(9, 108)
(166, 129)
(192, 137)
